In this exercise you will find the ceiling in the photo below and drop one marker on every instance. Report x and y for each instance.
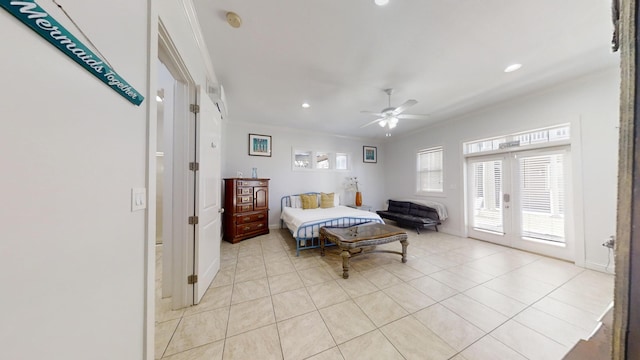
(449, 55)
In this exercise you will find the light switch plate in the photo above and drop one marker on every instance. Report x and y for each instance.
(138, 199)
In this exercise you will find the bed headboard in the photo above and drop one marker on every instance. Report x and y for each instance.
(285, 201)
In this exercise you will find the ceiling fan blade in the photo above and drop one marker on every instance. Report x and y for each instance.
(372, 122)
(413, 116)
(372, 113)
(404, 106)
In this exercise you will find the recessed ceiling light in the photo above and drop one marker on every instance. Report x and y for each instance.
(381, 2)
(306, 105)
(512, 67)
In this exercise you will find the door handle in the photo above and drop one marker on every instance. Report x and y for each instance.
(221, 210)
(506, 197)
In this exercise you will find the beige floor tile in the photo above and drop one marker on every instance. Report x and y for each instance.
(552, 327)
(458, 357)
(249, 261)
(477, 251)
(199, 329)
(260, 343)
(551, 271)
(214, 298)
(372, 345)
(250, 290)
(346, 321)
(453, 280)
(590, 300)
(433, 288)
(327, 294)
(470, 273)
(409, 297)
(528, 342)
(380, 308)
(479, 315)
(292, 303)
(356, 285)
(305, 261)
(522, 288)
(279, 267)
(487, 266)
(453, 329)
(331, 354)
(442, 261)
(423, 266)
(501, 303)
(261, 282)
(488, 348)
(284, 282)
(314, 275)
(164, 312)
(250, 315)
(250, 273)
(164, 332)
(211, 351)
(591, 279)
(583, 319)
(304, 336)
(403, 271)
(414, 341)
(223, 278)
(381, 278)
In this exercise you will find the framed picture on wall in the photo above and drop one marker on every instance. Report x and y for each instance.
(370, 154)
(259, 145)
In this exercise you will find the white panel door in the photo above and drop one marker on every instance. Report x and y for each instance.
(520, 199)
(488, 203)
(542, 212)
(208, 209)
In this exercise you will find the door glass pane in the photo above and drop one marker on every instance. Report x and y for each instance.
(487, 196)
(542, 197)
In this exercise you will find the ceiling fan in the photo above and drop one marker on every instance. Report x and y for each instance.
(389, 116)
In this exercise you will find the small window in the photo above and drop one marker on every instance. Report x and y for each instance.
(342, 161)
(306, 160)
(302, 160)
(430, 170)
(322, 160)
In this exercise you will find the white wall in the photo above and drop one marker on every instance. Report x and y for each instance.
(71, 149)
(285, 181)
(589, 103)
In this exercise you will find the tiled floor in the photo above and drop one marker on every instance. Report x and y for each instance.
(455, 298)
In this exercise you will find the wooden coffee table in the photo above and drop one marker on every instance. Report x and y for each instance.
(352, 240)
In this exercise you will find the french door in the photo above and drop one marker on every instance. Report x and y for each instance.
(520, 199)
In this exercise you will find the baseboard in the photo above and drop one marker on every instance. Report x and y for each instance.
(600, 267)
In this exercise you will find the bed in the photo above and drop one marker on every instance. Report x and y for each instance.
(305, 224)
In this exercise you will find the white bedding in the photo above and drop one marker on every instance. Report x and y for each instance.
(296, 217)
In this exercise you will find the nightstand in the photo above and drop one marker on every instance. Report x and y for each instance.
(362, 207)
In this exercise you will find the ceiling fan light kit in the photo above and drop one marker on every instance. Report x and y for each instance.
(390, 115)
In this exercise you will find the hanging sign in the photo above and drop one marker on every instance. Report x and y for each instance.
(32, 15)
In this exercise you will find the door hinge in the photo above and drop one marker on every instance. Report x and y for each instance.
(194, 108)
(192, 279)
(193, 220)
(194, 166)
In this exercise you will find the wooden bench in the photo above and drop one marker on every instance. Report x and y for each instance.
(352, 240)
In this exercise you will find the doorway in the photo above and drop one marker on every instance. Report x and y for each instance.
(519, 199)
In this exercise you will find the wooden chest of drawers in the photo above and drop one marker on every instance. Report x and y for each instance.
(246, 204)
